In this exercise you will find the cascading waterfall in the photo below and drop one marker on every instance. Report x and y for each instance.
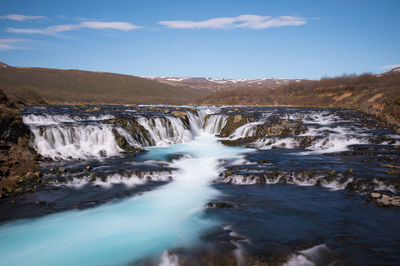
(215, 123)
(247, 130)
(195, 122)
(75, 141)
(165, 130)
(61, 137)
(132, 142)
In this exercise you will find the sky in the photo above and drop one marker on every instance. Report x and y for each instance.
(207, 38)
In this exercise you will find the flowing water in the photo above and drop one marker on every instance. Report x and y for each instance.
(154, 185)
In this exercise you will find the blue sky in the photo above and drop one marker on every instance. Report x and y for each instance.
(217, 38)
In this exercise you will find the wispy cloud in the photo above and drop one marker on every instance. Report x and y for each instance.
(10, 43)
(390, 66)
(243, 21)
(53, 30)
(18, 17)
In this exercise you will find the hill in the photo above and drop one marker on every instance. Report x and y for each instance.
(219, 84)
(374, 94)
(44, 85)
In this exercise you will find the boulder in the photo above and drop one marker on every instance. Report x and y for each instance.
(388, 201)
(278, 127)
(375, 195)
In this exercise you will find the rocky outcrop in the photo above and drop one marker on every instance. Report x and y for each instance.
(273, 127)
(385, 200)
(16, 158)
(134, 129)
(232, 123)
(278, 127)
(11, 125)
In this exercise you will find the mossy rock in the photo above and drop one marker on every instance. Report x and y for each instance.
(232, 123)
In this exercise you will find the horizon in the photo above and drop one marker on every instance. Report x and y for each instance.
(231, 40)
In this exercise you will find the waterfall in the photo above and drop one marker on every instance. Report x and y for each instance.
(32, 119)
(165, 130)
(75, 141)
(247, 130)
(195, 123)
(132, 142)
(215, 123)
(61, 136)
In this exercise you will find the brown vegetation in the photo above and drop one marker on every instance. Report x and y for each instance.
(54, 86)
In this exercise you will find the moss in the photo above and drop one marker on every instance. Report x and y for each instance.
(232, 123)
(228, 173)
(206, 117)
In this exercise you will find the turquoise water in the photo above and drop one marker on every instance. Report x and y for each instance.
(122, 232)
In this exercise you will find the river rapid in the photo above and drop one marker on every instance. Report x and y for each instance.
(183, 185)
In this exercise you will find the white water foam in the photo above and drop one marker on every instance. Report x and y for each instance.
(309, 257)
(169, 259)
(75, 142)
(45, 120)
(315, 117)
(114, 179)
(122, 232)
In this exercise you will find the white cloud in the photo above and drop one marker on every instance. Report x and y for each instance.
(17, 17)
(52, 30)
(9, 43)
(390, 66)
(243, 21)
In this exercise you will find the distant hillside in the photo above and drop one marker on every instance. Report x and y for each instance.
(374, 94)
(219, 84)
(38, 85)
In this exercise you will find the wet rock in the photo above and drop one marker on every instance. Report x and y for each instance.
(351, 170)
(220, 204)
(91, 110)
(264, 161)
(228, 173)
(387, 201)
(237, 118)
(392, 172)
(232, 123)
(391, 166)
(375, 195)
(275, 126)
(239, 141)
(87, 168)
(306, 141)
(18, 191)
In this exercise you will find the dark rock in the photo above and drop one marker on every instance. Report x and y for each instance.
(220, 204)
